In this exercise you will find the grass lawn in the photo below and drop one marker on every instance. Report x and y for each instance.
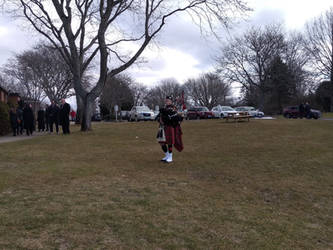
(257, 185)
(327, 115)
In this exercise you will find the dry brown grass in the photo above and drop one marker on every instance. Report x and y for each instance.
(257, 185)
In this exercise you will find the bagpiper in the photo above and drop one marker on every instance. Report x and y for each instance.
(170, 120)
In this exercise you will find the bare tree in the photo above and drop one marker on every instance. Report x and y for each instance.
(208, 90)
(297, 60)
(319, 44)
(116, 92)
(157, 94)
(48, 70)
(22, 79)
(246, 59)
(139, 92)
(9, 83)
(84, 30)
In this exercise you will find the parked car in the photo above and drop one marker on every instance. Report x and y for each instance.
(253, 112)
(141, 113)
(156, 114)
(198, 113)
(96, 117)
(293, 112)
(124, 114)
(223, 111)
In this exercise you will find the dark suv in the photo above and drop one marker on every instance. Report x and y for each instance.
(293, 112)
(199, 113)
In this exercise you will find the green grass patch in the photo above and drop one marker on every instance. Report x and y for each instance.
(328, 115)
(256, 185)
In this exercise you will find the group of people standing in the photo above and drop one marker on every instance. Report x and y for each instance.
(23, 118)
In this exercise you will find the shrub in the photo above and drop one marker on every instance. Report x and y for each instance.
(4, 119)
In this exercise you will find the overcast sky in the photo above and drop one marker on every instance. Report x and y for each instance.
(182, 51)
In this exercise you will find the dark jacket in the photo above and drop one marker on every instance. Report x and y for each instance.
(19, 113)
(301, 108)
(170, 116)
(13, 119)
(307, 109)
(41, 116)
(28, 118)
(64, 112)
(53, 113)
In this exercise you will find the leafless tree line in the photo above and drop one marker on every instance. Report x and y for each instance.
(86, 31)
(206, 90)
(305, 59)
(275, 68)
(38, 73)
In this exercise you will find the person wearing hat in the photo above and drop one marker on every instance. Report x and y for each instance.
(170, 120)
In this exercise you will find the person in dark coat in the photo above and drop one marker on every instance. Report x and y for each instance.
(301, 110)
(47, 118)
(170, 119)
(13, 121)
(28, 119)
(307, 110)
(20, 121)
(65, 109)
(41, 120)
(54, 117)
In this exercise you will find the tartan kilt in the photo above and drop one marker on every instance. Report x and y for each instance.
(169, 135)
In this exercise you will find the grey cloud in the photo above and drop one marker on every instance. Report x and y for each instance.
(261, 18)
(268, 16)
(186, 36)
(15, 40)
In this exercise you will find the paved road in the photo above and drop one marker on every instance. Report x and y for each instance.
(11, 138)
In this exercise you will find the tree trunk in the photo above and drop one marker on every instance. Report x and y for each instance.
(79, 104)
(87, 112)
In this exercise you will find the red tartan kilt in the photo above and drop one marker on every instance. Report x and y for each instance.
(169, 135)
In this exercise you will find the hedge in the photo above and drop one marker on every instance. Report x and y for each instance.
(4, 119)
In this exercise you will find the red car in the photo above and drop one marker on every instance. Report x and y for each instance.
(199, 113)
(293, 112)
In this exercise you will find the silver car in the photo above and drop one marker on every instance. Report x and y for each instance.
(253, 112)
(223, 111)
(141, 113)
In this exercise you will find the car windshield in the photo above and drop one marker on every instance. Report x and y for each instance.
(203, 109)
(142, 109)
(228, 109)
